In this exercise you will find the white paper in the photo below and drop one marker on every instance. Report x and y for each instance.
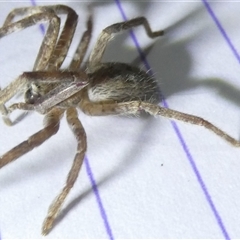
(147, 186)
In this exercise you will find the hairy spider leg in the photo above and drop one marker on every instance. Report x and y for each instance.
(80, 135)
(73, 121)
(51, 122)
(47, 48)
(107, 34)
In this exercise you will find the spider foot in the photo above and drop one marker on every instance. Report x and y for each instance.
(5, 115)
(47, 225)
(7, 121)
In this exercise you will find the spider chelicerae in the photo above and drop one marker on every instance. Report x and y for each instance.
(97, 88)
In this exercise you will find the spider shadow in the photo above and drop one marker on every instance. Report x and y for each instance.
(129, 161)
(175, 79)
(166, 53)
(21, 117)
(111, 49)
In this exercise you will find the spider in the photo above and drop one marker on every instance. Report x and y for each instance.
(96, 88)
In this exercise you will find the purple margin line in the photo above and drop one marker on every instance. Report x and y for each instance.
(91, 176)
(179, 135)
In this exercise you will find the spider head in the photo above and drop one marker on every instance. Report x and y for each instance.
(32, 94)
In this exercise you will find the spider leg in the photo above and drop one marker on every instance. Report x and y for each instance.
(69, 84)
(134, 107)
(82, 46)
(27, 11)
(51, 123)
(67, 78)
(51, 54)
(65, 38)
(192, 119)
(4, 112)
(80, 135)
(107, 35)
(50, 100)
(50, 37)
(47, 48)
(7, 93)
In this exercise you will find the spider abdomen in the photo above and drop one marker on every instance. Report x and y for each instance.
(121, 82)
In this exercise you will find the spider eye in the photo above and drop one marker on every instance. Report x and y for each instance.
(30, 97)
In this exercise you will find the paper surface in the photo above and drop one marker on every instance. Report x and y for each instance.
(154, 178)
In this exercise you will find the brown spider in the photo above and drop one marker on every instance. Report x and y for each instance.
(98, 89)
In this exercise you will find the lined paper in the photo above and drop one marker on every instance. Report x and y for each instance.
(142, 177)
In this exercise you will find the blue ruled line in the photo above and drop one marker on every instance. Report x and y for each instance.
(91, 176)
(98, 198)
(180, 136)
(221, 29)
